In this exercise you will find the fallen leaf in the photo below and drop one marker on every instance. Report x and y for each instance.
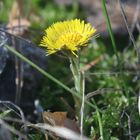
(56, 118)
(60, 119)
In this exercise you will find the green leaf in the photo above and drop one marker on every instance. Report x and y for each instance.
(5, 113)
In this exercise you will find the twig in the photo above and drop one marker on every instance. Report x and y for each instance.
(18, 68)
(129, 126)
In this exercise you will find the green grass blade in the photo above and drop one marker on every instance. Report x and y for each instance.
(5, 113)
(39, 69)
(99, 120)
(46, 74)
(109, 28)
(113, 43)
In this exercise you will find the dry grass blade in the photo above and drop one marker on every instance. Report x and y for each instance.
(92, 63)
(136, 15)
(59, 131)
(129, 30)
(101, 91)
(14, 131)
(17, 108)
(139, 103)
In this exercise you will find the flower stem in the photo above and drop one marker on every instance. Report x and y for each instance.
(83, 103)
(74, 66)
(79, 82)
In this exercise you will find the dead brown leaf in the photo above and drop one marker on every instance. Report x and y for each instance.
(60, 119)
(56, 118)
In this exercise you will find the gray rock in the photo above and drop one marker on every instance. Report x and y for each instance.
(10, 65)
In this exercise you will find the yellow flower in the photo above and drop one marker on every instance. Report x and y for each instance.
(68, 35)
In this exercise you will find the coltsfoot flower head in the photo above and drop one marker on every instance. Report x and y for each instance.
(69, 35)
